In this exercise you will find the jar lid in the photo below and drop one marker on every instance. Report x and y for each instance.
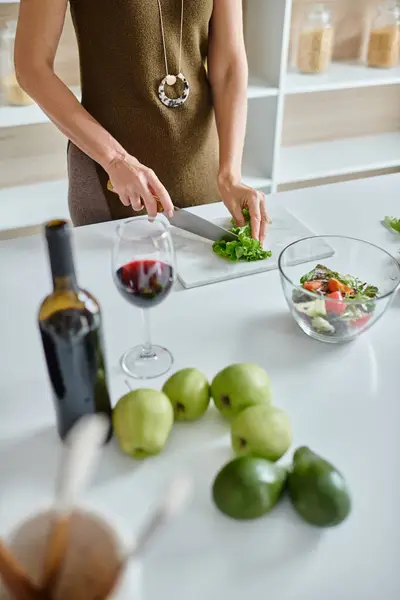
(320, 11)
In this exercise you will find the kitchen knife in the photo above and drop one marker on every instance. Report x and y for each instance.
(183, 219)
(187, 221)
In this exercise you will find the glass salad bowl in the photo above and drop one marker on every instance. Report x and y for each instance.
(337, 287)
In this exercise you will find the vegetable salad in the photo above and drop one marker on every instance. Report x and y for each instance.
(332, 314)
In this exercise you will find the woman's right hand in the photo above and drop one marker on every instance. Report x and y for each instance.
(138, 186)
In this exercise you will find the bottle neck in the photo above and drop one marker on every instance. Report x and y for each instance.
(65, 284)
(58, 238)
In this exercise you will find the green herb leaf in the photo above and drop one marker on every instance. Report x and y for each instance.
(320, 272)
(245, 248)
(393, 223)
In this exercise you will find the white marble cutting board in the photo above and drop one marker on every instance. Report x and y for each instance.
(198, 265)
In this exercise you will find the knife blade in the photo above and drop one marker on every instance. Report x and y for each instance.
(183, 219)
(187, 221)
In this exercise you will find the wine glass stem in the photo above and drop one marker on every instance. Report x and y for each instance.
(147, 346)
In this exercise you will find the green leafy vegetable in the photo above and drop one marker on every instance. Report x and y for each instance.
(364, 290)
(245, 248)
(319, 272)
(393, 223)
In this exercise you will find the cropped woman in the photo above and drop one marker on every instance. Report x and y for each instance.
(164, 102)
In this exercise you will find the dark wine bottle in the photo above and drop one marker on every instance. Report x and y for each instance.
(70, 326)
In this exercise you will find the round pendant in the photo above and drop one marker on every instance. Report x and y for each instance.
(171, 80)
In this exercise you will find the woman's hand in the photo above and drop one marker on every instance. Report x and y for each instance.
(138, 186)
(236, 196)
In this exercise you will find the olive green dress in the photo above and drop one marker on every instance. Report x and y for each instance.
(122, 65)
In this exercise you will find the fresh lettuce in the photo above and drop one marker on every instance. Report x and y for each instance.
(245, 248)
(393, 223)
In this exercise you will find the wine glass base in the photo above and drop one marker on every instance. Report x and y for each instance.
(136, 363)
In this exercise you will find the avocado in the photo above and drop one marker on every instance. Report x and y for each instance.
(248, 487)
(318, 491)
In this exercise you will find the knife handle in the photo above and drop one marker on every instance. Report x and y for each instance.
(160, 207)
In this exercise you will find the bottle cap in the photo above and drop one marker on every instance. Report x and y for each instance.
(58, 238)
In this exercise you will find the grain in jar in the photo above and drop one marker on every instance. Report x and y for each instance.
(384, 37)
(314, 53)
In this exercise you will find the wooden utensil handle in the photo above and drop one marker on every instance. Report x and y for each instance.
(55, 551)
(15, 579)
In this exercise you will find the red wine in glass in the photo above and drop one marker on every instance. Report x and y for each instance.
(143, 266)
(145, 283)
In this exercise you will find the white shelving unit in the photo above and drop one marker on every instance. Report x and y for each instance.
(258, 88)
(339, 157)
(267, 34)
(268, 160)
(341, 76)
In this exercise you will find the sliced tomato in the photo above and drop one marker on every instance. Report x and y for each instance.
(334, 285)
(313, 286)
(361, 321)
(335, 305)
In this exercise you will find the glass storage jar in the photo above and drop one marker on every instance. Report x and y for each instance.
(384, 37)
(314, 53)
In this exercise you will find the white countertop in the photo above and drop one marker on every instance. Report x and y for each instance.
(343, 400)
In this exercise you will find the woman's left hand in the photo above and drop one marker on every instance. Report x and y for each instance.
(236, 197)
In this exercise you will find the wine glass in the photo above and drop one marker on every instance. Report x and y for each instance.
(143, 266)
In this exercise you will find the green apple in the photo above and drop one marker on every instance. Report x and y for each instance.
(263, 431)
(189, 393)
(240, 386)
(142, 421)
